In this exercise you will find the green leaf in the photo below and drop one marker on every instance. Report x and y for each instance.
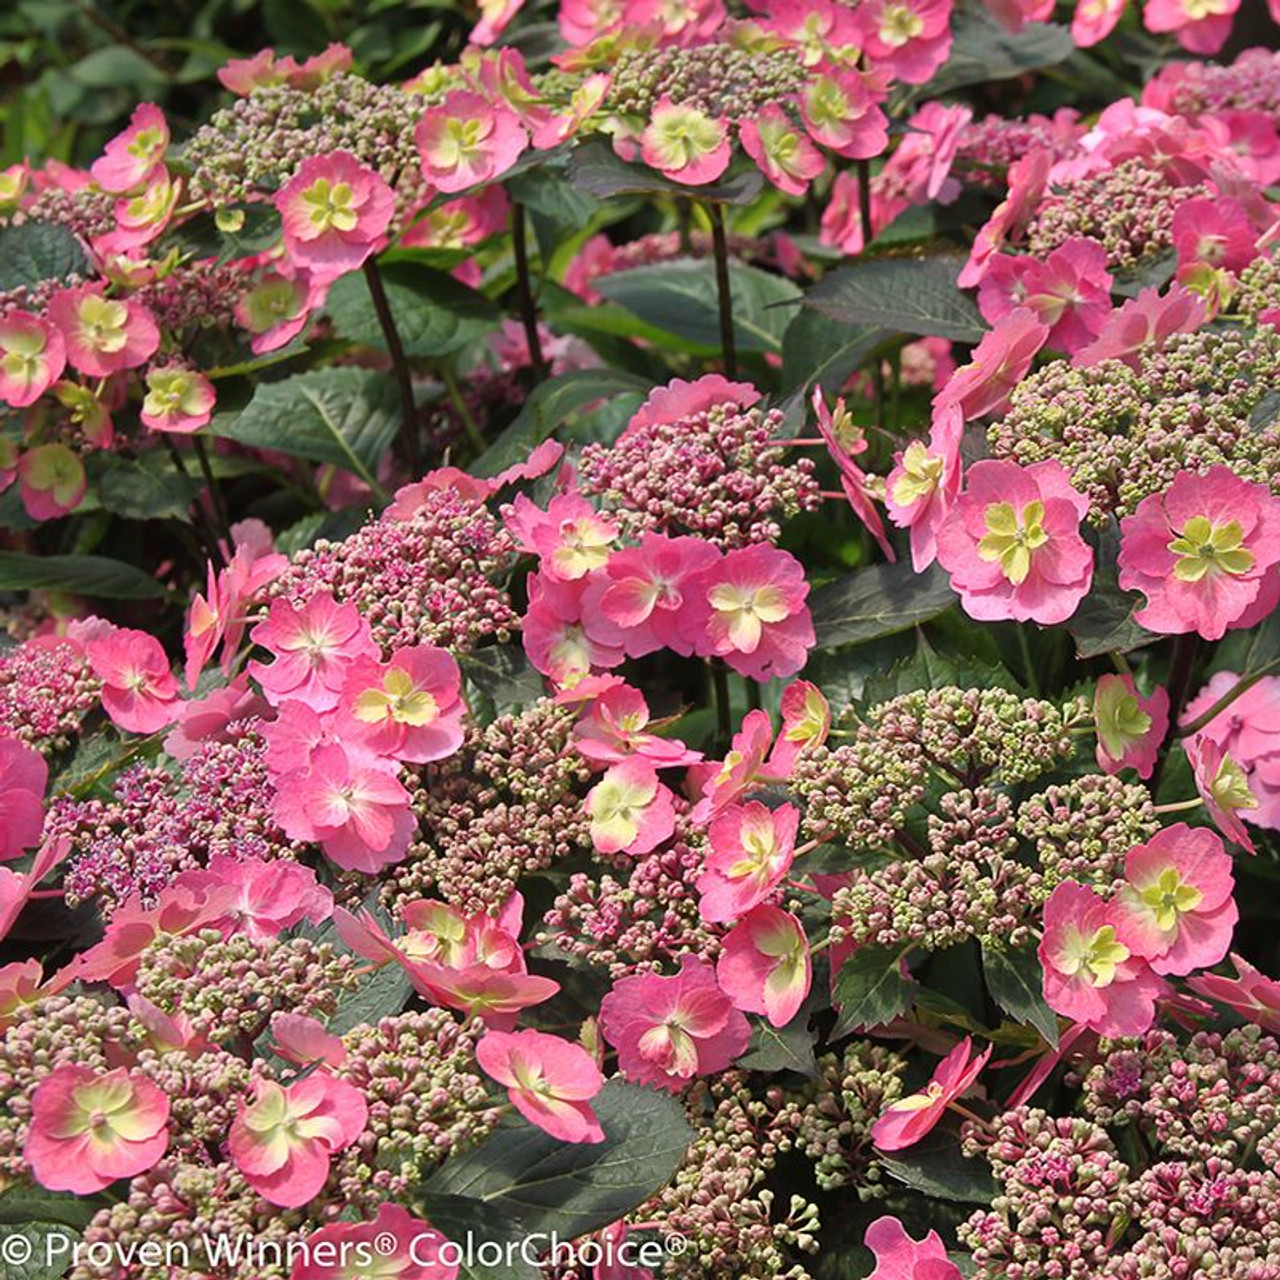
(260, 230)
(876, 601)
(23, 1203)
(788, 1048)
(870, 990)
(345, 416)
(904, 295)
(32, 252)
(145, 488)
(1014, 981)
(461, 1218)
(982, 51)
(816, 352)
(681, 297)
(937, 1168)
(504, 676)
(594, 167)
(435, 314)
(557, 207)
(117, 67)
(51, 1246)
(575, 1188)
(550, 403)
(1103, 622)
(78, 575)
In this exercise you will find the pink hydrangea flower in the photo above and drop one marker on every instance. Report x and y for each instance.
(1130, 727)
(742, 769)
(645, 596)
(467, 140)
(303, 1041)
(1094, 20)
(132, 156)
(259, 899)
(751, 852)
(899, 1257)
(571, 538)
(32, 357)
(782, 151)
(909, 39)
(1223, 786)
(334, 211)
(668, 1030)
(549, 1081)
(1177, 896)
(845, 440)
(909, 1119)
(614, 730)
(765, 965)
(685, 144)
(921, 488)
(139, 691)
(52, 479)
(1254, 996)
(1217, 233)
(1201, 26)
(410, 708)
(806, 721)
(1070, 291)
(999, 362)
(179, 400)
(352, 805)
(1200, 552)
(1028, 178)
(103, 335)
(277, 308)
(23, 778)
(214, 717)
(629, 809)
(1091, 975)
(314, 646)
(841, 111)
(1012, 543)
(140, 218)
(88, 1129)
(564, 631)
(283, 1140)
(402, 1248)
(750, 610)
(1143, 322)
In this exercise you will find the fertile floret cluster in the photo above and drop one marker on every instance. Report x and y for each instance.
(1124, 432)
(717, 474)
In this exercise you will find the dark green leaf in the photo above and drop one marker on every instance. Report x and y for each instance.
(145, 488)
(903, 295)
(460, 1218)
(51, 1247)
(926, 668)
(32, 252)
(1103, 622)
(504, 676)
(982, 51)
(788, 1048)
(259, 230)
(937, 1167)
(345, 416)
(117, 66)
(550, 403)
(870, 990)
(816, 352)
(593, 167)
(22, 1203)
(575, 1188)
(78, 575)
(1014, 981)
(435, 314)
(557, 208)
(681, 297)
(877, 601)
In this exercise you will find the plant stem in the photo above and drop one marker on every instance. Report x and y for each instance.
(524, 288)
(1243, 685)
(399, 365)
(208, 536)
(724, 713)
(720, 247)
(1028, 662)
(864, 202)
(215, 492)
(753, 695)
(469, 424)
(1185, 650)
(1179, 806)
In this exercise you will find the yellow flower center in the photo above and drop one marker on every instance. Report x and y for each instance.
(1169, 897)
(331, 205)
(1013, 538)
(921, 471)
(1204, 548)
